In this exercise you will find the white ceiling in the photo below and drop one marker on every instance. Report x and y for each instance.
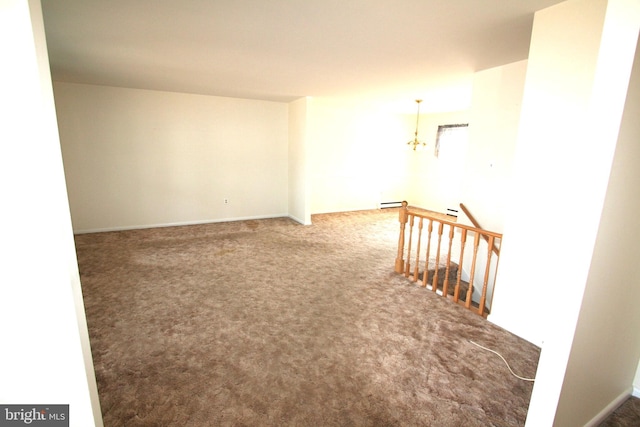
(281, 50)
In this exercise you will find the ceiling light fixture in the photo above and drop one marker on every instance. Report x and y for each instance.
(415, 142)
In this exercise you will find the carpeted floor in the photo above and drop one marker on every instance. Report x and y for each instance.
(271, 323)
(627, 415)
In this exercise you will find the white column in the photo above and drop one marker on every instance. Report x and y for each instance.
(45, 357)
(577, 76)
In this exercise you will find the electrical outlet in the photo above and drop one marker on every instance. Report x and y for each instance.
(226, 201)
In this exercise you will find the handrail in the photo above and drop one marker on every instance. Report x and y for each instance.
(426, 215)
(432, 259)
(477, 225)
(468, 214)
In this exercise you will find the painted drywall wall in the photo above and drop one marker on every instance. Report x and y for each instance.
(493, 131)
(357, 154)
(553, 114)
(434, 183)
(45, 357)
(299, 191)
(139, 158)
(606, 343)
(361, 157)
(563, 158)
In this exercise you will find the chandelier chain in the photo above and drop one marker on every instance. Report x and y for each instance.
(415, 143)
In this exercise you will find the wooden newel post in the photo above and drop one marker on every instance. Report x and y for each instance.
(403, 221)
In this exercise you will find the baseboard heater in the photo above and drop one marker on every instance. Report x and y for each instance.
(452, 212)
(384, 205)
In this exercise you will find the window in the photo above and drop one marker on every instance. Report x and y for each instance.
(450, 139)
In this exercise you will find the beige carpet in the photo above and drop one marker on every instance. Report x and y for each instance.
(627, 415)
(270, 323)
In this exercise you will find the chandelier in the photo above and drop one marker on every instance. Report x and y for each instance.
(415, 142)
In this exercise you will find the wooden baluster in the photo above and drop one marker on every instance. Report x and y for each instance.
(485, 283)
(416, 271)
(425, 275)
(495, 269)
(463, 242)
(412, 272)
(476, 241)
(445, 285)
(435, 273)
(399, 267)
(407, 267)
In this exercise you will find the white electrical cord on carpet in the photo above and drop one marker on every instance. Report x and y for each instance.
(503, 359)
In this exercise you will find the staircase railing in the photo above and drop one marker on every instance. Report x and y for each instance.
(441, 256)
(477, 225)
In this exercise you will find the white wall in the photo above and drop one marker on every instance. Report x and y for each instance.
(361, 157)
(45, 357)
(140, 158)
(299, 188)
(434, 183)
(549, 173)
(572, 104)
(357, 154)
(607, 343)
(493, 131)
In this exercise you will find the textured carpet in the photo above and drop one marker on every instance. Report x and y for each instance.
(627, 415)
(268, 322)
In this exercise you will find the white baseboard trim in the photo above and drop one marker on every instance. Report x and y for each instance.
(177, 224)
(298, 220)
(602, 415)
(636, 392)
